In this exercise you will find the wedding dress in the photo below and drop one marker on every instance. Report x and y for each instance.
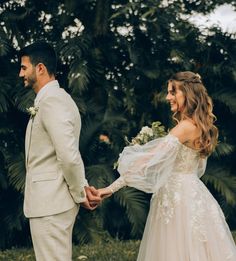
(185, 222)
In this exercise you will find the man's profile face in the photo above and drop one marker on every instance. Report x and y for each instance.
(28, 72)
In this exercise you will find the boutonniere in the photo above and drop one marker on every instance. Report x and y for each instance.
(32, 111)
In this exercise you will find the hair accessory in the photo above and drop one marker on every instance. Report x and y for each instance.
(198, 76)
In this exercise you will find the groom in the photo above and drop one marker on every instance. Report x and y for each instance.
(55, 179)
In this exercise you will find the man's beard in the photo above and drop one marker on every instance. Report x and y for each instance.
(30, 82)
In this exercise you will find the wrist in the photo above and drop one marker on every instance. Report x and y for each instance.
(110, 190)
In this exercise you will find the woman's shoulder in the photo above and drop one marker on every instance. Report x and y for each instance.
(185, 131)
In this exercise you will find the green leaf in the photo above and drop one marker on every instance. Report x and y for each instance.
(136, 205)
(226, 97)
(16, 171)
(222, 182)
(99, 175)
(223, 149)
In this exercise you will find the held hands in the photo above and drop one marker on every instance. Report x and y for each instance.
(104, 192)
(92, 198)
(95, 196)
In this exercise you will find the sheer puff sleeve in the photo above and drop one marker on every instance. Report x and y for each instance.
(201, 167)
(147, 167)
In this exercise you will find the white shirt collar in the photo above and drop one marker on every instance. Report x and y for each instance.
(43, 90)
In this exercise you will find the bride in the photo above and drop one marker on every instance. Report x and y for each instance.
(185, 223)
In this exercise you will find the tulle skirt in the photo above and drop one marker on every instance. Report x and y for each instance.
(185, 223)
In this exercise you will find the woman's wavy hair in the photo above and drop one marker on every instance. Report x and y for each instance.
(197, 107)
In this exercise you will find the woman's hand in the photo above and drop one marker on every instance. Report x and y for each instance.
(104, 192)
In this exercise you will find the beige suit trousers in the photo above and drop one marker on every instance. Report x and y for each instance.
(52, 236)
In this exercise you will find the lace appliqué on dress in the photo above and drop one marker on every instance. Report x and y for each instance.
(170, 194)
(204, 205)
(168, 197)
(198, 212)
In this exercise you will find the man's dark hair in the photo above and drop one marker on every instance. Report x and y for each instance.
(41, 52)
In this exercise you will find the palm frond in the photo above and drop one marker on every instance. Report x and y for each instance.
(16, 171)
(74, 48)
(95, 61)
(79, 76)
(226, 97)
(101, 20)
(159, 97)
(99, 175)
(5, 46)
(10, 15)
(152, 74)
(234, 235)
(84, 62)
(88, 227)
(93, 108)
(5, 93)
(87, 134)
(3, 181)
(23, 99)
(223, 149)
(81, 104)
(73, 53)
(222, 182)
(124, 9)
(113, 119)
(3, 99)
(136, 204)
(91, 127)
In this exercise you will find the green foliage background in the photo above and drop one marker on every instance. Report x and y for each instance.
(114, 59)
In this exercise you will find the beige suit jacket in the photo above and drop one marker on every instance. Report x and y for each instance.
(55, 176)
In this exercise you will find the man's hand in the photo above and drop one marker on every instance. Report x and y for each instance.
(87, 205)
(93, 198)
(92, 195)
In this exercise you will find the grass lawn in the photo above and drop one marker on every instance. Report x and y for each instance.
(114, 250)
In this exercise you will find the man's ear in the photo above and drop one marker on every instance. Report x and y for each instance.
(41, 68)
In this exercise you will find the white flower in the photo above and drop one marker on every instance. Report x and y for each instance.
(82, 257)
(32, 111)
(148, 133)
(146, 130)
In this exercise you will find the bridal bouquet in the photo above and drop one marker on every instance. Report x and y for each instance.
(145, 135)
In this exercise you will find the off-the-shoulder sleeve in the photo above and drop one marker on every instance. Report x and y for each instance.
(147, 167)
(201, 167)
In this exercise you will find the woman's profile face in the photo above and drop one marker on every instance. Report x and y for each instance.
(175, 97)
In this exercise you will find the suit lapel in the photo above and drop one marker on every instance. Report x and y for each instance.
(28, 136)
(31, 121)
(28, 140)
